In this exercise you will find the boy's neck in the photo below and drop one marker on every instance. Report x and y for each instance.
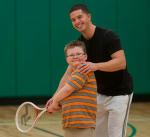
(75, 67)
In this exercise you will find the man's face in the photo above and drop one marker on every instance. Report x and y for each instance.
(80, 20)
(76, 56)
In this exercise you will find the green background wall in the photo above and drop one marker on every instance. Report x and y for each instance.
(33, 34)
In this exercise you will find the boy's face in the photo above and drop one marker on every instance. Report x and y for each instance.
(80, 20)
(75, 56)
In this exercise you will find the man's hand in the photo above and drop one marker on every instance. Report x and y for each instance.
(87, 67)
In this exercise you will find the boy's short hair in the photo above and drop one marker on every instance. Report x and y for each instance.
(79, 7)
(75, 43)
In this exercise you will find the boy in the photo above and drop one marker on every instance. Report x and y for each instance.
(79, 95)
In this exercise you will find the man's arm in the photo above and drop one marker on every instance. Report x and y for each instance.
(118, 62)
(64, 79)
(61, 84)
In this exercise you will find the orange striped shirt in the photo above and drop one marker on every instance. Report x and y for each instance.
(79, 109)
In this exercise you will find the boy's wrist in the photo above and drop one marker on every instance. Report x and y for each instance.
(55, 101)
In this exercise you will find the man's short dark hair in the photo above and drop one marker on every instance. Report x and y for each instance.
(79, 7)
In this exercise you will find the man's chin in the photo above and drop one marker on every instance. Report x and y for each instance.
(80, 30)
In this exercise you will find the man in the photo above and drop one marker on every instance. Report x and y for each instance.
(114, 83)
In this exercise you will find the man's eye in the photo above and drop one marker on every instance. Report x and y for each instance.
(79, 17)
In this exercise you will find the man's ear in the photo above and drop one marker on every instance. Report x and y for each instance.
(89, 16)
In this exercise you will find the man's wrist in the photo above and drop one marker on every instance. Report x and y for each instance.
(98, 66)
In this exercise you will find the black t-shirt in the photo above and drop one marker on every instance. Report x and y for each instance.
(99, 48)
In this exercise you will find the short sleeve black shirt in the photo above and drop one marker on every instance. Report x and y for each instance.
(99, 48)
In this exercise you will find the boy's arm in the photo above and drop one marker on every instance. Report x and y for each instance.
(61, 84)
(62, 94)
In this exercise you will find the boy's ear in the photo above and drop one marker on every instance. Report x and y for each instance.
(86, 56)
(67, 59)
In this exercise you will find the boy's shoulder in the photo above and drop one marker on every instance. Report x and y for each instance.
(77, 72)
(76, 69)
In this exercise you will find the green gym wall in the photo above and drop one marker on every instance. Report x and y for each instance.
(33, 34)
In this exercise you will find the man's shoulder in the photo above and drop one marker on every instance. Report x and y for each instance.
(107, 33)
(103, 30)
(80, 37)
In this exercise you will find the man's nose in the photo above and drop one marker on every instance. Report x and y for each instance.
(77, 21)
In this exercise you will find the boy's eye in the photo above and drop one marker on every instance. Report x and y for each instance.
(78, 54)
(71, 56)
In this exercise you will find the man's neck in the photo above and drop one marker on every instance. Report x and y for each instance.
(88, 34)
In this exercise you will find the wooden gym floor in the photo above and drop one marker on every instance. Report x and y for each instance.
(50, 125)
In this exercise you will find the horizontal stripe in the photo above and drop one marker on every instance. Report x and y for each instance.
(91, 73)
(80, 126)
(80, 97)
(81, 122)
(77, 80)
(90, 85)
(79, 106)
(89, 88)
(92, 80)
(81, 110)
(83, 94)
(78, 119)
(80, 103)
(79, 76)
(79, 116)
(86, 91)
(79, 100)
(76, 83)
(92, 77)
(73, 85)
(76, 72)
(78, 113)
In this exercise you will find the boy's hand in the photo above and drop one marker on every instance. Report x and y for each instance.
(54, 107)
(50, 101)
(48, 104)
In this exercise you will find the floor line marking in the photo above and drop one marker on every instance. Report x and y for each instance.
(58, 122)
(133, 130)
(38, 123)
